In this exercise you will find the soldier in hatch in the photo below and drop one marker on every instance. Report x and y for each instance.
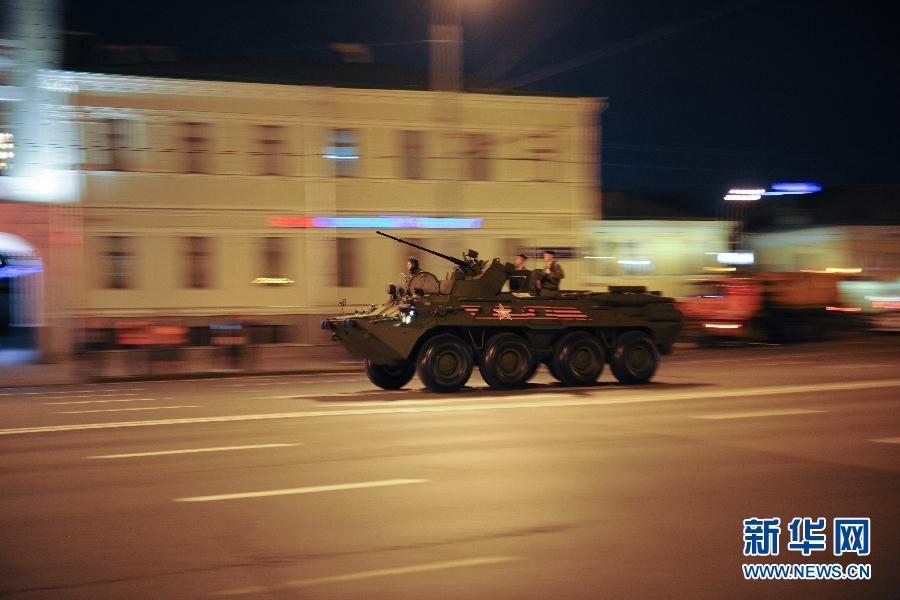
(518, 280)
(549, 278)
(412, 267)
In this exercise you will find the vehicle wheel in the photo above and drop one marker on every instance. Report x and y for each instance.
(578, 359)
(635, 358)
(506, 362)
(390, 377)
(445, 363)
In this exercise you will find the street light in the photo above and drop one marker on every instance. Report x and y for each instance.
(446, 44)
(744, 194)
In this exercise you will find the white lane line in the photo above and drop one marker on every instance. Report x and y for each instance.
(192, 451)
(103, 401)
(890, 440)
(389, 403)
(785, 363)
(869, 366)
(553, 401)
(55, 393)
(759, 413)
(359, 575)
(766, 356)
(316, 381)
(303, 490)
(105, 410)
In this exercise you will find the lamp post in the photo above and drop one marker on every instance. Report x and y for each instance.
(736, 199)
(446, 44)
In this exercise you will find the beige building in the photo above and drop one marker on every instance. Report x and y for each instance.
(867, 250)
(206, 200)
(663, 255)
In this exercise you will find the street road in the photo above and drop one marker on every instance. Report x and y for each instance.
(321, 486)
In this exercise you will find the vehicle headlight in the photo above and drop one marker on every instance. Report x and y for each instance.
(407, 316)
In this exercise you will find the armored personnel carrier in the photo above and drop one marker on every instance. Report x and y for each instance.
(442, 328)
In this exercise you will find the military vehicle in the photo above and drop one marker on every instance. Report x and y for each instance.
(442, 328)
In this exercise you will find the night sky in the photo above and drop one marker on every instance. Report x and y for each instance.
(703, 95)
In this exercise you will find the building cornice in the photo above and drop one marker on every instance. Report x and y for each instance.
(100, 83)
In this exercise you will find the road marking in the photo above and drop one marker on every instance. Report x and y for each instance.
(759, 413)
(192, 450)
(316, 381)
(388, 403)
(303, 490)
(870, 366)
(50, 393)
(422, 568)
(785, 363)
(890, 440)
(103, 401)
(768, 357)
(104, 410)
(554, 401)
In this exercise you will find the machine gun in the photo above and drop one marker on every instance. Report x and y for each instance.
(469, 265)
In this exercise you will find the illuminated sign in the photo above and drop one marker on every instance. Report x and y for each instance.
(735, 258)
(797, 188)
(272, 281)
(380, 222)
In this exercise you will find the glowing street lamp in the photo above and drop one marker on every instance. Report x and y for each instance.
(744, 194)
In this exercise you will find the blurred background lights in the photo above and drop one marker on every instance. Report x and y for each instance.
(797, 188)
(7, 147)
(380, 222)
(735, 258)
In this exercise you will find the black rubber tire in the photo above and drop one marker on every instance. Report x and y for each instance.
(445, 363)
(635, 358)
(390, 377)
(506, 362)
(578, 359)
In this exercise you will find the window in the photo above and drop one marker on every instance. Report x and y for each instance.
(478, 156)
(347, 267)
(543, 157)
(198, 262)
(115, 144)
(413, 154)
(273, 257)
(271, 149)
(105, 144)
(343, 152)
(117, 262)
(197, 147)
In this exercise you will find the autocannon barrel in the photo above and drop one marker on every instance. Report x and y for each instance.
(465, 266)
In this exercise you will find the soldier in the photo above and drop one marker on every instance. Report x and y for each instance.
(552, 273)
(518, 281)
(412, 269)
(412, 266)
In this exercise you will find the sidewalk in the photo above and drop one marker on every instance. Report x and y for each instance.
(136, 365)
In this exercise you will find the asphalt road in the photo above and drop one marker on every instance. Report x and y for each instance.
(323, 487)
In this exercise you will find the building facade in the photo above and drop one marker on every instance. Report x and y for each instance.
(204, 201)
(663, 255)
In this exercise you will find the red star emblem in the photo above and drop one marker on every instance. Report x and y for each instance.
(502, 312)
